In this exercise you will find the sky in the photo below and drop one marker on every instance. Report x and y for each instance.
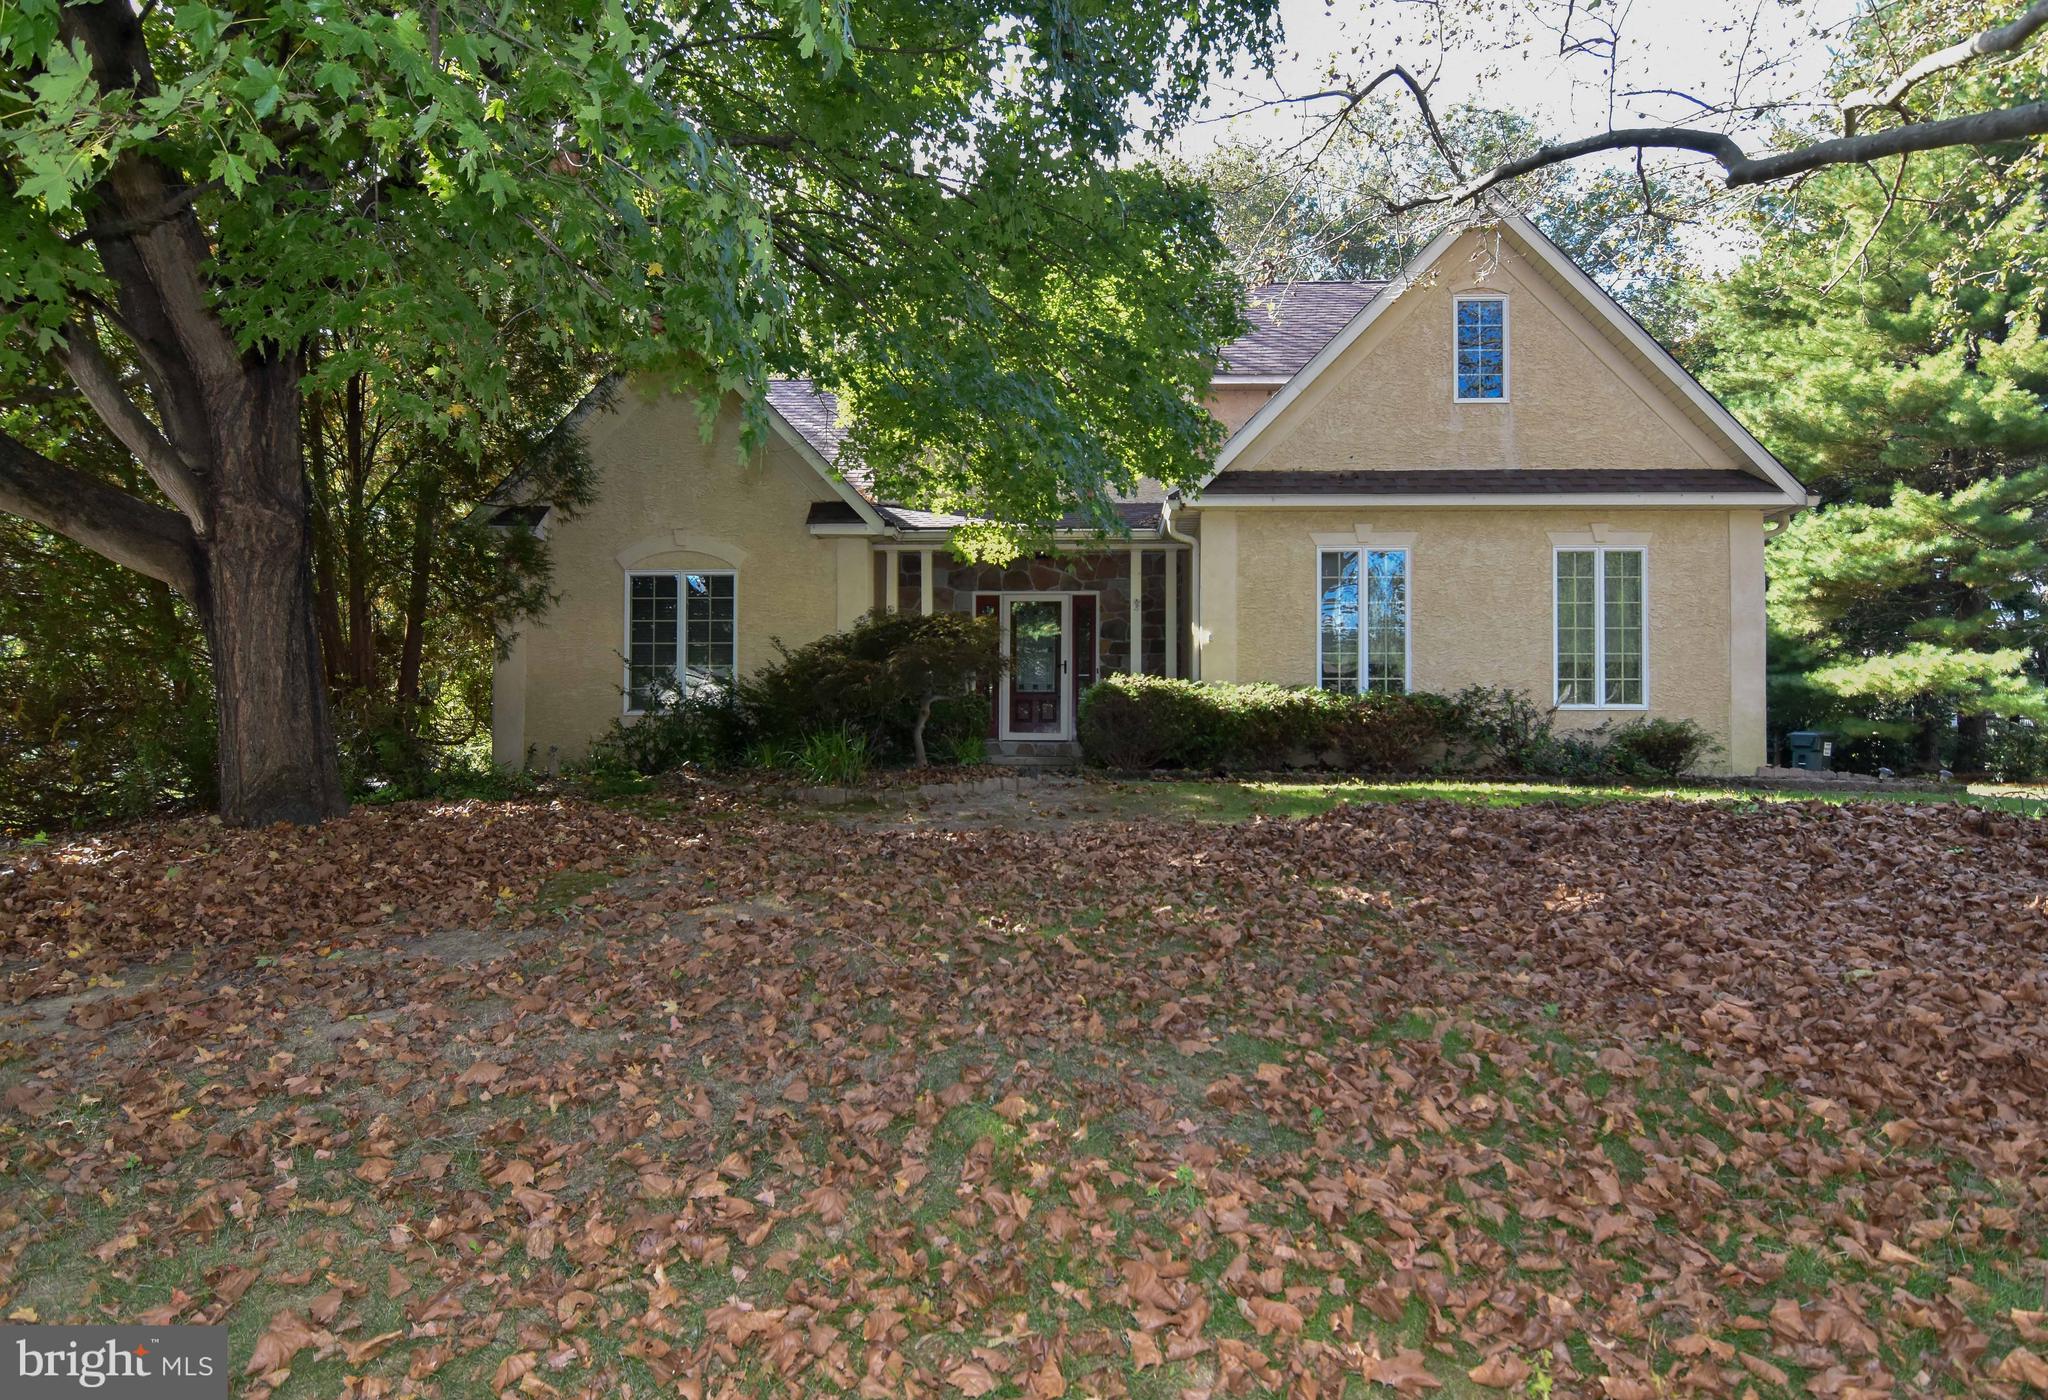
(1698, 46)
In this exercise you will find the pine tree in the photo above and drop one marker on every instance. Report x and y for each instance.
(1887, 343)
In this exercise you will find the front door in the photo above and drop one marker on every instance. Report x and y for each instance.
(1037, 645)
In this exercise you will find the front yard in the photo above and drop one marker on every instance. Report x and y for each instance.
(1076, 1096)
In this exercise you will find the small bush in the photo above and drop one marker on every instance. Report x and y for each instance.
(766, 755)
(967, 750)
(2016, 750)
(833, 758)
(1657, 748)
(707, 730)
(1579, 758)
(460, 777)
(1500, 728)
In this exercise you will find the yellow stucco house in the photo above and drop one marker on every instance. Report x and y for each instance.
(1480, 472)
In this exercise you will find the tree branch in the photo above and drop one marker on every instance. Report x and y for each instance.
(177, 203)
(105, 519)
(1352, 97)
(96, 378)
(2003, 39)
(1739, 168)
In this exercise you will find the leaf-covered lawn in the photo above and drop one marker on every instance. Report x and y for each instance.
(1633, 1099)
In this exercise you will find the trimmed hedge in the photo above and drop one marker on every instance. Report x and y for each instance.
(1152, 722)
(1136, 722)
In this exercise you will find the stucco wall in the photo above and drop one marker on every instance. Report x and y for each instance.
(1480, 603)
(668, 499)
(1232, 405)
(1575, 399)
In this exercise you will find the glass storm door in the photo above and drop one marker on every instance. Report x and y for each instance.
(1035, 638)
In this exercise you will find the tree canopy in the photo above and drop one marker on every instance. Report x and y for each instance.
(932, 208)
(884, 196)
(1887, 342)
(1333, 218)
(1923, 75)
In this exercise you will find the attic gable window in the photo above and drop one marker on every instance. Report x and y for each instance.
(1482, 348)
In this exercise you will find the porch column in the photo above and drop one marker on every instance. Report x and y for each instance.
(1137, 666)
(1172, 613)
(892, 576)
(924, 582)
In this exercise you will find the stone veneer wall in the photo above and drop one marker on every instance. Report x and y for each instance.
(1106, 574)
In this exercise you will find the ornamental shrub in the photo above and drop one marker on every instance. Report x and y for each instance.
(1657, 748)
(897, 680)
(1138, 722)
(709, 729)
(1153, 722)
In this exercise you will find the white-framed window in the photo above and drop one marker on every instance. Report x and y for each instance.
(1362, 620)
(682, 634)
(1600, 601)
(1480, 337)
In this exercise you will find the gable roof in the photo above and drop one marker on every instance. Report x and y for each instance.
(1769, 472)
(1290, 322)
(1296, 331)
(1490, 485)
(814, 415)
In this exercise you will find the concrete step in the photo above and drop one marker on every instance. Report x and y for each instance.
(1035, 753)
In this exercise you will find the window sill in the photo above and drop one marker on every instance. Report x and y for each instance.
(1589, 709)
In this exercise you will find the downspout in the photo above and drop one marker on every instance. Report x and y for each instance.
(1194, 586)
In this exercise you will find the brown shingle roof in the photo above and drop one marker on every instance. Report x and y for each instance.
(1484, 481)
(814, 413)
(1137, 515)
(1291, 322)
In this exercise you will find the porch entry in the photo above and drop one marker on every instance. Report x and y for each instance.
(1049, 658)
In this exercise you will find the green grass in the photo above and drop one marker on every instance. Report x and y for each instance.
(1237, 800)
(565, 887)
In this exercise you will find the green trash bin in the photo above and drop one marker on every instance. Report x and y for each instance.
(1812, 749)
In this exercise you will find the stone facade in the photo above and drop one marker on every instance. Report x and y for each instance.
(1105, 573)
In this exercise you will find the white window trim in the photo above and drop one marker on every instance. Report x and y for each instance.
(1507, 354)
(1599, 553)
(682, 627)
(1361, 549)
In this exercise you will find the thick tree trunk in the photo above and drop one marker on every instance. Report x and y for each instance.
(222, 446)
(277, 757)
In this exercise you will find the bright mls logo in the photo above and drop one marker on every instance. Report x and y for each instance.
(121, 1363)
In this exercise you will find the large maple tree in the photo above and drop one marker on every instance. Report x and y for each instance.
(931, 207)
